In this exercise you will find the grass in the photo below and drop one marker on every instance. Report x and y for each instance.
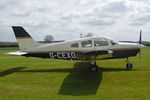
(24, 78)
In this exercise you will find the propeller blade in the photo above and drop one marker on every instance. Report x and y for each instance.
(140, 42)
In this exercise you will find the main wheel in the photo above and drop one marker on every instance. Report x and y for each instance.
(129, 66)
(93, 68)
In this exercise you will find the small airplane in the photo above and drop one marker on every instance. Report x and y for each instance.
(86, 49)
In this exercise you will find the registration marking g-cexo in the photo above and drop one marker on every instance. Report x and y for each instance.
(62, 55)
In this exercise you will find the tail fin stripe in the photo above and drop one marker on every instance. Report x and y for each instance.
(20, 32)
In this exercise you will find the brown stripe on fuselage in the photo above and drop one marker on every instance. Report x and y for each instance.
(115, 49)
(23, 37)
(60, 51)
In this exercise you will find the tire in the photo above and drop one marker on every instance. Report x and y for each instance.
(129, 66)
(93, 68)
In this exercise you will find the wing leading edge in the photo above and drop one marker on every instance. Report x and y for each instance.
(97, 52)
(18, 53)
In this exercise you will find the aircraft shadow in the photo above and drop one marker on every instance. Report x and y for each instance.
(10, 71)
(83, 82)
(79, 81)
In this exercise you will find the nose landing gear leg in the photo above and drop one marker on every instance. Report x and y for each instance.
(128, 65)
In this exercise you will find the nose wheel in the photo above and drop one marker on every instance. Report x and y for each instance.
(128, 65)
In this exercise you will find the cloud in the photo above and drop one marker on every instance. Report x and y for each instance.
(141, 20)
(67, 19)
(99, 22)
(116, 7)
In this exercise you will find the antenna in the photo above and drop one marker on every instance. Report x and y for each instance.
(81, 35)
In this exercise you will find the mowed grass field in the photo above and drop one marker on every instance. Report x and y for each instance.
(24, 78)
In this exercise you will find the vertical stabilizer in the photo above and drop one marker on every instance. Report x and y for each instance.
(24, 40)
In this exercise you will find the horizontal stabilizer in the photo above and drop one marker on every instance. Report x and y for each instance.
(18, 53)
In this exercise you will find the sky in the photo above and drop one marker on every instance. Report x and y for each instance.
(67, 19)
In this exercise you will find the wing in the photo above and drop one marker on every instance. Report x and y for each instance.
(97, 54)
(18, 53)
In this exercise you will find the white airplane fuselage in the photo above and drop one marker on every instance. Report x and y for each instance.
(64, 50)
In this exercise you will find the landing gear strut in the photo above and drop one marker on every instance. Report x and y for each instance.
(128, 65)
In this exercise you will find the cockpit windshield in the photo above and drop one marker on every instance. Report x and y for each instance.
(113, 42)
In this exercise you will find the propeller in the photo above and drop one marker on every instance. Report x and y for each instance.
(140, 42)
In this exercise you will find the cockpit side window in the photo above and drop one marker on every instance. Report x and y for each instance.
(100, 42)
(87, 43)
(75, 45)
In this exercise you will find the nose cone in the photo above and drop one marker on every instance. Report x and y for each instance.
(141, 46)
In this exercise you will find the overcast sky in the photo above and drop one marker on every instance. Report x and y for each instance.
(67, 19)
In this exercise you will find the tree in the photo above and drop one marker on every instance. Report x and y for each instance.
(48, 39)
(88, 35)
